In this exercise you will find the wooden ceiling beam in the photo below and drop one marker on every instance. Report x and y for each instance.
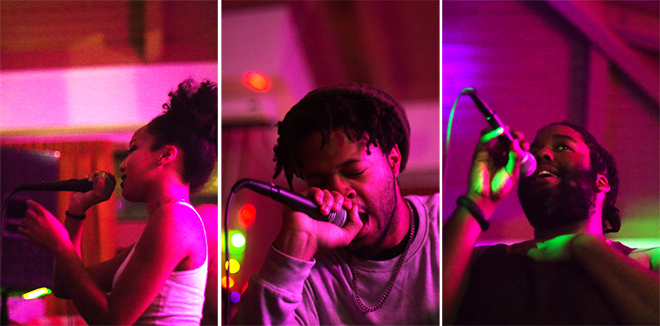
(611, 46)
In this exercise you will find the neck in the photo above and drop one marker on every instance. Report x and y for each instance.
(401, 227)
(169, 194)
(592, 225)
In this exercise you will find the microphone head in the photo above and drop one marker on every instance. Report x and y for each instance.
(109, 187)
(339, 218)
(527, 165)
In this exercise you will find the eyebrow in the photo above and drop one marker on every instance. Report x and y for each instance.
(350, 161)
(344, 164)
(564, 137)
(556, 137)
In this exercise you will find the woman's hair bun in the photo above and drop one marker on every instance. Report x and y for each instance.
(190, 121)
(196, 105)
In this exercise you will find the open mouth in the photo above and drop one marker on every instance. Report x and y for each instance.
(546, 174)
(364, 217)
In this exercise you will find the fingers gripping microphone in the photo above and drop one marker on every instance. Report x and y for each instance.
(79, 185)
(528, 163)
(295, 201)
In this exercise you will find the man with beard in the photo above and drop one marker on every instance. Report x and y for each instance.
(569, 273)
(349, 143)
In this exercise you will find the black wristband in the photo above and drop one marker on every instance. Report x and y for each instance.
(75, 217)
(476, 212)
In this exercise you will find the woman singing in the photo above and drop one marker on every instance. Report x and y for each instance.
(160, 280)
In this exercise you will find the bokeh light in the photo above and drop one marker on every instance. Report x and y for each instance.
(40, 292)
(237, 240)
(233, 265)
(235, 297)
(256, 81)
(224, 282)
(246, 215)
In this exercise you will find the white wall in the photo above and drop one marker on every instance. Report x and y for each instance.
(93, 102)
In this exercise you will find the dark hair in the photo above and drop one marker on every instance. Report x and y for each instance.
(601, 162)
(190, 122)
(355, 108)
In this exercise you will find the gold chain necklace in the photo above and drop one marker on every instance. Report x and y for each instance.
(397, 269)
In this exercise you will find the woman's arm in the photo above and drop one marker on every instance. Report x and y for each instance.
(165, 243)
(45, 229)
(102, 274)
(80, 203)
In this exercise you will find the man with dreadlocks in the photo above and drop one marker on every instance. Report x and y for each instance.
(349, 143)
(569, 273)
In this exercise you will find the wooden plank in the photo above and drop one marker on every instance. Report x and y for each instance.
(611, 46)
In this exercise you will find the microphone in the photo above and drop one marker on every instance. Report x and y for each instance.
(295, 201)
(528, 163)
(79, 185)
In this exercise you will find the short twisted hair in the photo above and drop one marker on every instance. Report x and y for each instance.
(358, 109)
(601, 162)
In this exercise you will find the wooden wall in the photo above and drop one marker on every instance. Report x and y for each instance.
(60, 34)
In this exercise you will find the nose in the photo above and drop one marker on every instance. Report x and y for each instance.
(544, 154)
(122, 166)
(340, 185)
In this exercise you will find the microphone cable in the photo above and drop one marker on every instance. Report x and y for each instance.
(445, 149)
(3, 211)
(227, 295)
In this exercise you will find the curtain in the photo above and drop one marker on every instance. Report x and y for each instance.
(77, 160)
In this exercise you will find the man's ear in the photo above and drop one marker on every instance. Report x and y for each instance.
(602, 183)
(169, 153)
(394, 159)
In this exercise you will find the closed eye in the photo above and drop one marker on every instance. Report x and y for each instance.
(354, 174)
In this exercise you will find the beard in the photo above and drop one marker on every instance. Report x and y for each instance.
(386, 208)
(571, 201)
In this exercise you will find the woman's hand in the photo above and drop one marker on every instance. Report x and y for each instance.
(40, 226)
(81, 202)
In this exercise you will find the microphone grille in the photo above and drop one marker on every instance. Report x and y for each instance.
(339, 218)
(528, 165)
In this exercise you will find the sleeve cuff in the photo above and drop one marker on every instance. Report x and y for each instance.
(282, 270)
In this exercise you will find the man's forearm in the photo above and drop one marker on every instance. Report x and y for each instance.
(274, 293)
(459, 236)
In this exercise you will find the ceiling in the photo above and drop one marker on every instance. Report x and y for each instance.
(393, 45)
(61, 34)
